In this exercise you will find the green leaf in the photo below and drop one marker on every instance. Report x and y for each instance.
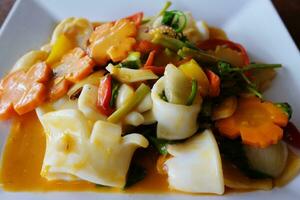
(175, 19)
(168, 18)
(286, 108)
(135, 174)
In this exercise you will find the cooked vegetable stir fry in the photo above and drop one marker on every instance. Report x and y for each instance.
(168, 84)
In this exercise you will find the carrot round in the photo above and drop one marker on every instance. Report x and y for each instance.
(22, 92)
(258, 123)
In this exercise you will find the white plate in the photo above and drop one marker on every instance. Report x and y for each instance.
(253, 23)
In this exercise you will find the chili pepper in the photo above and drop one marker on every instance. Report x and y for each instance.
(105, 95)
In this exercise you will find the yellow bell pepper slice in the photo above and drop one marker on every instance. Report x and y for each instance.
(59, 49)
(192, 70)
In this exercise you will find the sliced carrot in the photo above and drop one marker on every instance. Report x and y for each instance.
(58, 88)
(112, 41)
(229, 126)
(276, 113)
(22, 92)
(258, 123)
(73, 67)
(214, 83)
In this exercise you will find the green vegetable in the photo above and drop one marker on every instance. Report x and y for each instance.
(159, 144)
(168, 42)
(234, 80)
(233, 151)
(114, 93)
(130, 64)
(133, 61)
(193, 93)
(254, 91)
(285, 107)
(146, 20)
(139, 95)
(175, 19)
(149, 132)
(165, 8)
(198, 55)
(135, 174)
(169, 53)
(163, 96)
(225, 67)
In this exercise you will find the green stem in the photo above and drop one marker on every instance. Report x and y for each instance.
(256, 66)
(170, 43)
(254, 91)
(193, 93)
(130, 104)
(163, 10)
(198, 55)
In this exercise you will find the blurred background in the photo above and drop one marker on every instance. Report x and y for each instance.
(289, 11)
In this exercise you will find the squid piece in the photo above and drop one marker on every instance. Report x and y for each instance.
(175, 121)
(196, 165)
(95, 153)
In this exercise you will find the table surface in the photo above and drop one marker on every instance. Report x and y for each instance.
(289, 11)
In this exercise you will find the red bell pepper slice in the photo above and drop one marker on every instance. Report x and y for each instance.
(156, 70)
(149, 64)
(150, 59)
(292, 135)
(214, 83)
(105, 95)
(137, 18)
(213, 43)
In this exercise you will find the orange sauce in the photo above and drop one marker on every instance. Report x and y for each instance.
(23, 157)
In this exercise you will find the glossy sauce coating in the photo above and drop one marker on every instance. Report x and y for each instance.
(23, 158)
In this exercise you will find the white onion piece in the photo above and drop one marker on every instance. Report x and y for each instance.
(134, 118)
(145, 104)
(125, 92)
(270, 160)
